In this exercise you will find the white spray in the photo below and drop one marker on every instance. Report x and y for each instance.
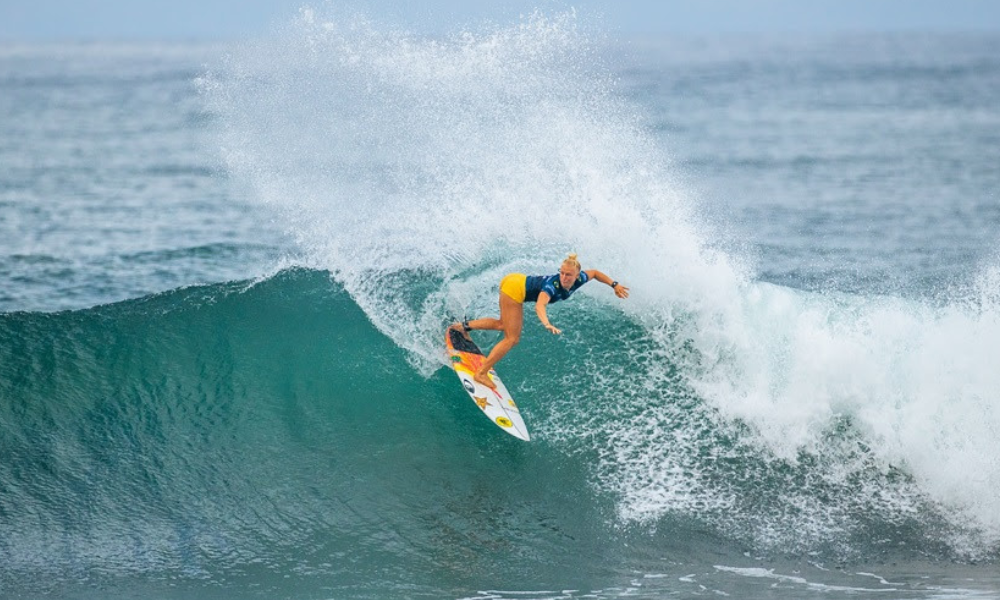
(420, 170)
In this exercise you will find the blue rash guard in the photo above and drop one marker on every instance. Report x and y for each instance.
(536, 284)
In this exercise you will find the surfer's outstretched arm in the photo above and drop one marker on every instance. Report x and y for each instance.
(620, 290)
(540, 310)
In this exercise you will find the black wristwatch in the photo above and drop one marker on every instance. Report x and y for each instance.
(614, 284)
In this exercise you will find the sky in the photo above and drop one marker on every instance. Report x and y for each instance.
(60, 20)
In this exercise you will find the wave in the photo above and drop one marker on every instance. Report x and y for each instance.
(269, 422)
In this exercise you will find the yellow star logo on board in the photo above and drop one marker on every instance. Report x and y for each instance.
(482, 403)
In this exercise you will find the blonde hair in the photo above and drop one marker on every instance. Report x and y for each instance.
(572, 261)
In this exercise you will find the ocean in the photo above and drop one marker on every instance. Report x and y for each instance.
(226, 268)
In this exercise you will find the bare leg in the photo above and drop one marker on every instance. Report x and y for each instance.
(480, 324)
(511, 321)
(487, 324)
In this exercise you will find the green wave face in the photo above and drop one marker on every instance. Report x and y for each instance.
(236, 431)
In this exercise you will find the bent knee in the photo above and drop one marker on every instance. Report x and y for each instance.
(514, 338)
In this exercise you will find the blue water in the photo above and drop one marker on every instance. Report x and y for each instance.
(225, 269)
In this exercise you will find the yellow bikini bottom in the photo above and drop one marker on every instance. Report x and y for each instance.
(514, 286)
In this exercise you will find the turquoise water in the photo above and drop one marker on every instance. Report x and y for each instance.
(224, 273)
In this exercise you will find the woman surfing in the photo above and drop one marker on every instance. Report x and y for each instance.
(515, 290)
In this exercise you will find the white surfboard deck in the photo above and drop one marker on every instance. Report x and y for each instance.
(497, 405)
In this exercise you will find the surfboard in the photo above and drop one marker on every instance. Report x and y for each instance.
(497, 405)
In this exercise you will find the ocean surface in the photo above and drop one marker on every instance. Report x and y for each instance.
(225, 270)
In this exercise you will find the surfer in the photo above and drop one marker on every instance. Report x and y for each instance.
(516, 289)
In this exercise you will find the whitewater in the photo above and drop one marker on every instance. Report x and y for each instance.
(234, 385)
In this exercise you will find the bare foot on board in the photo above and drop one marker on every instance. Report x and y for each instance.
(484, 379)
